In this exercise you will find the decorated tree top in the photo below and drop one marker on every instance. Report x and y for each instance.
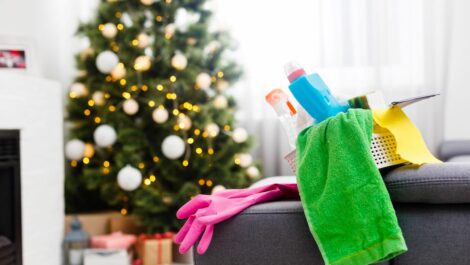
(150, 122)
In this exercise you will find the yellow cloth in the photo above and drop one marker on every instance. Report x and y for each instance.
(410, 144)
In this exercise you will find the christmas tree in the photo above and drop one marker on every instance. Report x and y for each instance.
(151, 124)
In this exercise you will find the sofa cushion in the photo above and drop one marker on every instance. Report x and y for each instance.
(436, 234)
(431, 183)
(273, 233)
(276, 233)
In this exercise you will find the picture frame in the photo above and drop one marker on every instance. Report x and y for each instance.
(16, 54)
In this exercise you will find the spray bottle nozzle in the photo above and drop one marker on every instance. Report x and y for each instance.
(278, 99)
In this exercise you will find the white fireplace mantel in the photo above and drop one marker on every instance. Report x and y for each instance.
(34, 106)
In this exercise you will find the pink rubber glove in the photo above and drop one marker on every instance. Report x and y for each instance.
(204, 211)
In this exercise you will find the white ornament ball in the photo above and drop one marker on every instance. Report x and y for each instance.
(244, 160)
(210, 5)
(127, 20)
(144, 40)
(129, 178)
(240, 135)
(183, 19)
(173, 147)
(75, 149)
(104, 135)
(179, 61)
(109, 30)
(220, 102)
(119, 71)
(217, 188)
(106, 61)
(147, 2)
(221, 85)
(98, 98)
(184, 122)
(148, 23)
(212, 47)
(148, 51)
(170, 30)
(78, 90)
(253, 172)
(142, 63)
(203, 80)
(212, 130)
(130, 106)
(160, 115)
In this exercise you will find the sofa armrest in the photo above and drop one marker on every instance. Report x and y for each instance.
(451, 149)
(430, 183)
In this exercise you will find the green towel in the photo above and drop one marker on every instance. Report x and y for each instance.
(347, 206)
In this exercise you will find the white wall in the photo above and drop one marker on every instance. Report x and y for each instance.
(39, 22)
(46, 26)
(49, 26)
(34, 106)
(457, 121)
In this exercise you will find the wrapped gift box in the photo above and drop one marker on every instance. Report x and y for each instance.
(116, 240)
(106, 257)
(105, 223)
(125, 224)
(93, 223)
(155, 249)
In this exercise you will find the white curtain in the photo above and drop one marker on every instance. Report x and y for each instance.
(397, 46)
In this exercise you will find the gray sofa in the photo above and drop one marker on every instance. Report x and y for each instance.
(432, 204)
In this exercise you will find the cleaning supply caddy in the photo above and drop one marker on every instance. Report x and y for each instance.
(387, 148)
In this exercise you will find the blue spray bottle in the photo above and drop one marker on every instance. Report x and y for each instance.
(312, 93)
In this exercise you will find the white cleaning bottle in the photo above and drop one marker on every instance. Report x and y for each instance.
(286, 112)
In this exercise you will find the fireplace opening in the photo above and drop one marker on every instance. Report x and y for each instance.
(10, 198)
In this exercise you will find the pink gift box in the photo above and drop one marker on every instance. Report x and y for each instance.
(115, 240)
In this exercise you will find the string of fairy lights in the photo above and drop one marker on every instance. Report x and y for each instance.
(181, 145)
